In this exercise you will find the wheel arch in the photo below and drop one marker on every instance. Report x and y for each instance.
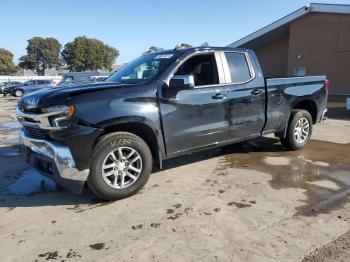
(305, 104)
(308, 105)
(144, 131)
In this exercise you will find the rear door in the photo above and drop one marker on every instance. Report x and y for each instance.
(196, 117)
(246, 95)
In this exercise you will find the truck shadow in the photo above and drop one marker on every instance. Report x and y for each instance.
(266, 144)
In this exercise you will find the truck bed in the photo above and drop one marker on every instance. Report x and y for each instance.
(284, 94)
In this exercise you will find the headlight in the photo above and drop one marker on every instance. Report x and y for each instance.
(59, 114)
(67, 110)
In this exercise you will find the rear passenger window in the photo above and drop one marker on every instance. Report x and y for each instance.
(239, 68)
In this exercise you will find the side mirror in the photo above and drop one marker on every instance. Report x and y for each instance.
(181, 82)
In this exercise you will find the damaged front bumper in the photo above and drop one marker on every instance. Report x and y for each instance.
(53, 160)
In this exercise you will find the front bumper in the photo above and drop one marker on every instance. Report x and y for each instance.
(53, 160)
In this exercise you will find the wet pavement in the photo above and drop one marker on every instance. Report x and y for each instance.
(30, 182)
(8, 122)
(322, 169)
(251, 201)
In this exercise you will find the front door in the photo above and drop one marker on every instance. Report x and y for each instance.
(196, 117)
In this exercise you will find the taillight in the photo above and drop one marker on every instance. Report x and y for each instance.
(327, 82)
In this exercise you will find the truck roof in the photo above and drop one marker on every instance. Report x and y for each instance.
(200, 48)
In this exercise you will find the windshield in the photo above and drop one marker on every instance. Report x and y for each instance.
(143, 68)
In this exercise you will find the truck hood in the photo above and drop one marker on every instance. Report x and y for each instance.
(50, 96)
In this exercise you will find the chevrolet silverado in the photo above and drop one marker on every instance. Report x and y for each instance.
(164, 104)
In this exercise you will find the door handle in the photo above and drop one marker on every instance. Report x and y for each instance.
(218, 96)
(256, 92)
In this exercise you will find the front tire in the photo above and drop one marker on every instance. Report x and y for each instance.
(121, 166)
(299, 130)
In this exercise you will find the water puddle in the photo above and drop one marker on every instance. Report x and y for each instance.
(31, 183)
(9, 126)
(322, 169)
(9, 132)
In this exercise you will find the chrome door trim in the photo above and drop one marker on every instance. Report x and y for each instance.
(225, 68)
(219, 66)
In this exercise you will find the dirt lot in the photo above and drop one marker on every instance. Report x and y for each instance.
(247, 202)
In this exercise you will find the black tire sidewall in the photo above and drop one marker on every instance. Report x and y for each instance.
(297, 115)
(104, 147)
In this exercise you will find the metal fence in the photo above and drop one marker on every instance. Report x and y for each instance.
(23, 79)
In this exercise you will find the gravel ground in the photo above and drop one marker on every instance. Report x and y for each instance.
(336, 251)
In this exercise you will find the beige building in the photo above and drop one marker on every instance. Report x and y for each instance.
(314, 40)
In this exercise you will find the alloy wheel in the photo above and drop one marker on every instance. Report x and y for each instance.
(122, 167)
(302, 130)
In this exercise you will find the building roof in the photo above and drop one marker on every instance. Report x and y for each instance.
(280, 28)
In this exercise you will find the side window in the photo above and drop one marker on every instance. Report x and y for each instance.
(202, 67)
(238, 65)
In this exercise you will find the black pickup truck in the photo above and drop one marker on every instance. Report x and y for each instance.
(161, 105)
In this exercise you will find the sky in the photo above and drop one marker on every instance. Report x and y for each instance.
(132, 26)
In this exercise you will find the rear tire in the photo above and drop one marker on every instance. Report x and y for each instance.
(299, 130)
(112, 174)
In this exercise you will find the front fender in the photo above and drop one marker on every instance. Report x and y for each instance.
(109, 108)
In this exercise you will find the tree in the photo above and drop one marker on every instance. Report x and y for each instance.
(87, 54)
(7, 66)
(153, 49)
(42, 54)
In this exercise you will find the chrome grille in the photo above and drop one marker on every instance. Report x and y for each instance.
(36, 120)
